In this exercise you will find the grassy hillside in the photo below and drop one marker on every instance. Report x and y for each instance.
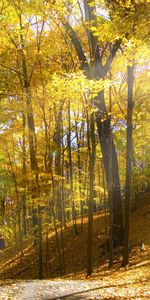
(11, 265)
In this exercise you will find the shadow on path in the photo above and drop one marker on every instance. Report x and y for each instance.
(75, 295)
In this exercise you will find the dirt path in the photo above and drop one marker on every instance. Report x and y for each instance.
(74, 289)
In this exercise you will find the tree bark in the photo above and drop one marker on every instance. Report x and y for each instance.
(24, 208)
(71, 171)
(128, 165)
(40, 251)
(105, 135)
(92, 153)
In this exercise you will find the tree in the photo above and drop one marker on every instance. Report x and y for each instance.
(128, 164)
(96, 69)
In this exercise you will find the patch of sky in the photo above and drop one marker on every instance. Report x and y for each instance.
(120, 124)
(5, 126)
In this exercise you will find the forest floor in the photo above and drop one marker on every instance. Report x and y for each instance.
(132, 282)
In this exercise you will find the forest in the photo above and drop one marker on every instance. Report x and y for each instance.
(74, 137)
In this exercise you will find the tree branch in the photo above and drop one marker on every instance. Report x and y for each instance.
(77, 45)
(113, 52)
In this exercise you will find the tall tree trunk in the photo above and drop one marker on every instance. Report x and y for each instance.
(40, 252)
(128, 165)
(78, 138)
(110, 192)
(110, 188)
(25, 82)
(18, 208)
(105, 207)
(92, 152)
(71, 172)
(105, 135)
(24, 177)
(55, 227)
(63, 204)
